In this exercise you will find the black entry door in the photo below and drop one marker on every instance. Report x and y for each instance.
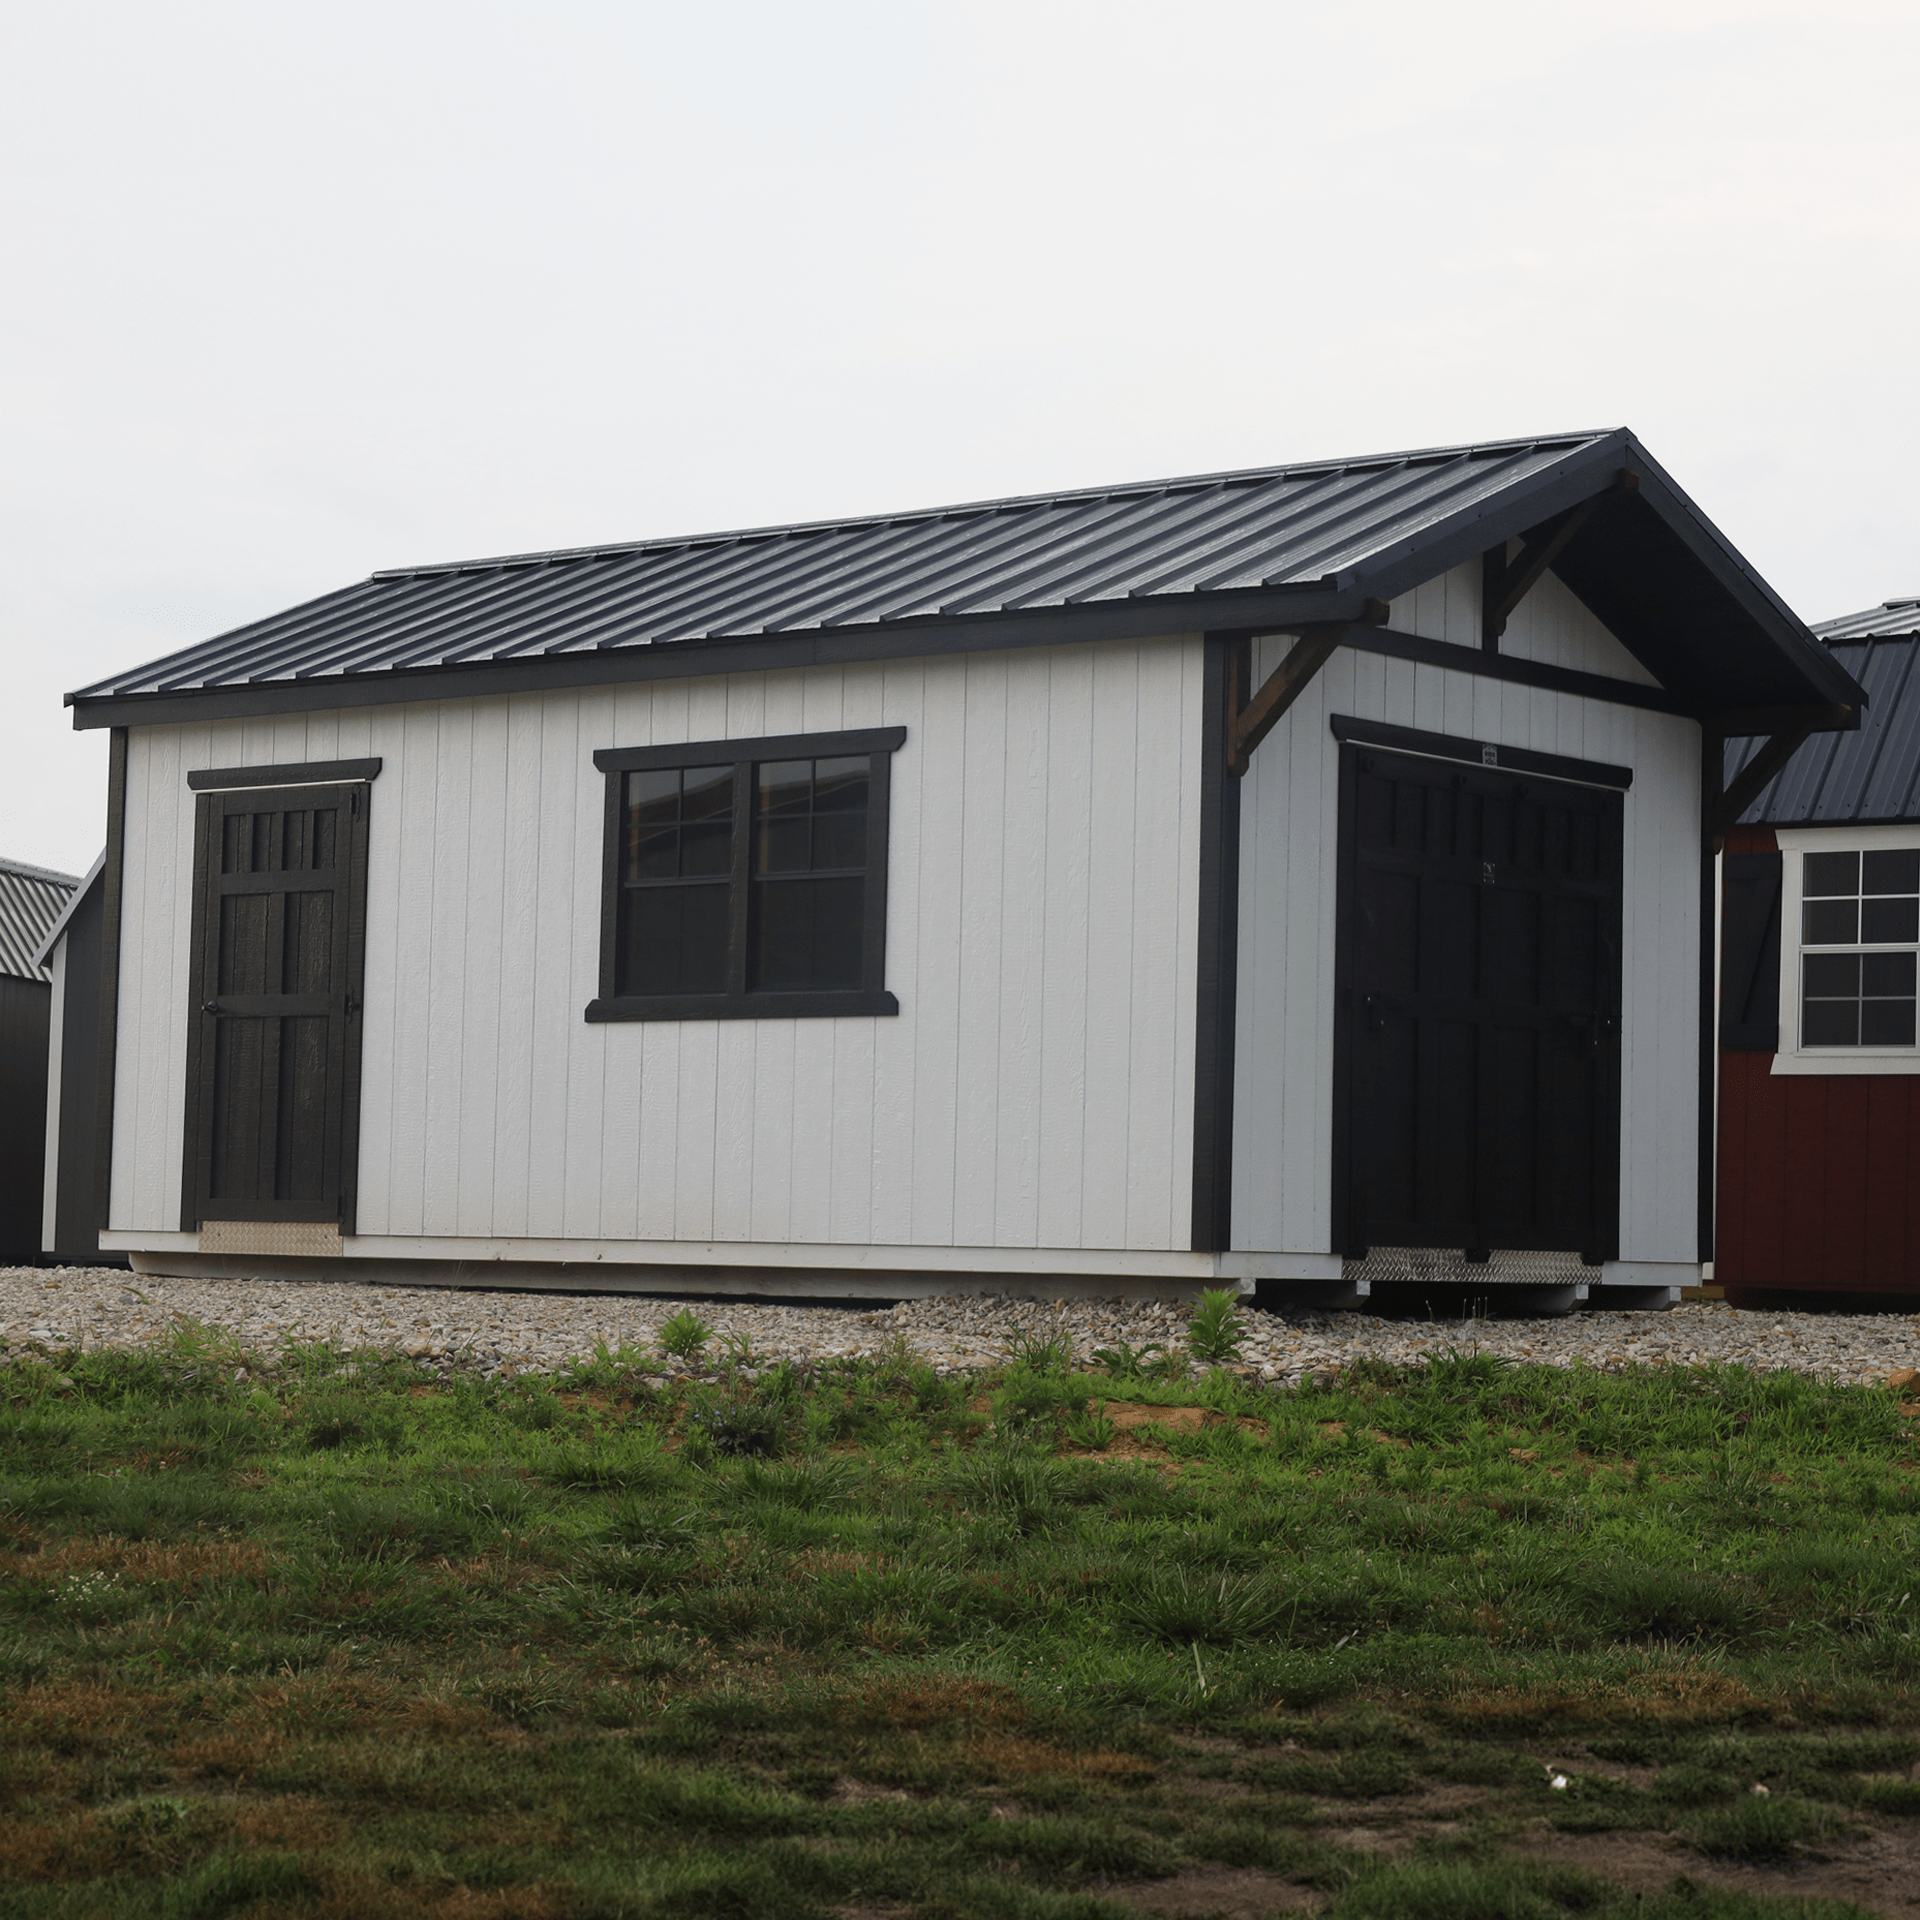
(273, 1070)
(1477, 1056)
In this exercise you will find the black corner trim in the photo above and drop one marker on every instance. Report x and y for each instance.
(776, 746)
(1216, 974)
(752, 1006)
(307, 773)
(1479, 753)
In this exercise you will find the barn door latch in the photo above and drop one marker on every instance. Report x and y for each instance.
(1376, 1013)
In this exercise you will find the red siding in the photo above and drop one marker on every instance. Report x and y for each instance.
(1819, 1177)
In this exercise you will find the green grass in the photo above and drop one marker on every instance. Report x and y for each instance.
(336, 1638)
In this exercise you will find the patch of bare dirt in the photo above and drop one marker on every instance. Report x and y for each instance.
(1214, 1893)
(1877, 1871)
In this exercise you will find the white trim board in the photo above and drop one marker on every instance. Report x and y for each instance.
(1188, 1268)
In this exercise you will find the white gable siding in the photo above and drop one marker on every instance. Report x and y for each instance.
(1034, 1092)
(1549, 626)
(1283, 1072)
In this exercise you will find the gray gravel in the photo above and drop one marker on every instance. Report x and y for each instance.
(50, 1310)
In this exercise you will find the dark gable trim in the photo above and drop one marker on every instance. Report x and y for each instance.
(1525, 673)
(774, 746)
(310, 773)
(111, 878)
(869, 999)
(1479, 753)
(1259, 611)
(1216, 975)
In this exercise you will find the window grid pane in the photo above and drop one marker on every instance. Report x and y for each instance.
(1868, 902)
(809, 865)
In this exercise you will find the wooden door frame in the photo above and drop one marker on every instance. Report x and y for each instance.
(214, 800)
(1355, 737)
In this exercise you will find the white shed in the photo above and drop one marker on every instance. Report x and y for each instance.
(1294, 875)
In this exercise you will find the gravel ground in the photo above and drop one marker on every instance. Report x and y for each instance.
(50, 1310)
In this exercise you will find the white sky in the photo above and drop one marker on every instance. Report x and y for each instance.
(288, 293)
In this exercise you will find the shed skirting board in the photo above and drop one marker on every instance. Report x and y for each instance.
(729, 1266)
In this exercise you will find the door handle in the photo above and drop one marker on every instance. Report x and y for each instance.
(210, 1006)
(1375, 1012)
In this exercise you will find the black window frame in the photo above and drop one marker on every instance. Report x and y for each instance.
(738, 1001)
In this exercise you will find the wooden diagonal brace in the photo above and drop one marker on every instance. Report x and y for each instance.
(1752, 779)
(1252, 721)
(1503, 586)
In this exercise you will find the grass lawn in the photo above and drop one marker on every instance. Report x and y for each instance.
(1464, 1641)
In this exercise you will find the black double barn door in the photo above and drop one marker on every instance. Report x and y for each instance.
(1477, 1057)
(273, 1071)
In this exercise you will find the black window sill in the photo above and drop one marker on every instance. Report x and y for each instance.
(749, 1006)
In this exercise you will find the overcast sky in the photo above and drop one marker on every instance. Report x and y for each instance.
(292, 292)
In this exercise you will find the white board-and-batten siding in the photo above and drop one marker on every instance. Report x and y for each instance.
(1283, 1069)
(1035, 1091)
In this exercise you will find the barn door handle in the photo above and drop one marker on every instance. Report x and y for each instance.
(1375, 1012)
(210, 1006)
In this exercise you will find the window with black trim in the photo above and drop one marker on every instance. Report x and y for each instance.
(746, 878)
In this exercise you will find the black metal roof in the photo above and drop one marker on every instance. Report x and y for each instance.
(31, 900)
(1872, 776)
(1252, 549)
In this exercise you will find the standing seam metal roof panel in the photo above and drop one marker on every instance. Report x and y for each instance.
(1868, 776)
(1267, 527)
(31, 900)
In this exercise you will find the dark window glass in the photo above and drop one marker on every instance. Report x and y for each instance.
(1830, 1023)
(1889, 922)
(810, 822)
(672, 935)
(808, 934)
(1831, 923)
(1830, 873)
(1897, 870)
(1886, 1023)
(1882, 974)
(674, 939)
(1827, 975)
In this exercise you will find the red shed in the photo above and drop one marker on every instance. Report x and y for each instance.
(1819, 1121)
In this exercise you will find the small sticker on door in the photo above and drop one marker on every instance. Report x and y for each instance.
(1489, 756)
(1486, 873)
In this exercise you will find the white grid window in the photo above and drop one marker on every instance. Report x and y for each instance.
(1850, 972)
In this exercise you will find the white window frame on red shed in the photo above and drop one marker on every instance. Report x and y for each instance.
(1794, 1056)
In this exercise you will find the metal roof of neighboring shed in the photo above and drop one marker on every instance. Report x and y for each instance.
(1890, 620)
(1249, 550)
(1872, 776)
(31, 900)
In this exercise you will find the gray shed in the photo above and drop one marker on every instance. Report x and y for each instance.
(1291, 876)
(31, 900)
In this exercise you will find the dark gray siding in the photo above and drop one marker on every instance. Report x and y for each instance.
(24, 1008)
(76, 1213)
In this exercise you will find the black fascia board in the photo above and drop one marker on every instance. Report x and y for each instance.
(1720, 559)
(1583, 473)
(1249, 610)
(1467, 533)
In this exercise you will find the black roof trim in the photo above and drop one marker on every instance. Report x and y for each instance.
(1259, 549)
